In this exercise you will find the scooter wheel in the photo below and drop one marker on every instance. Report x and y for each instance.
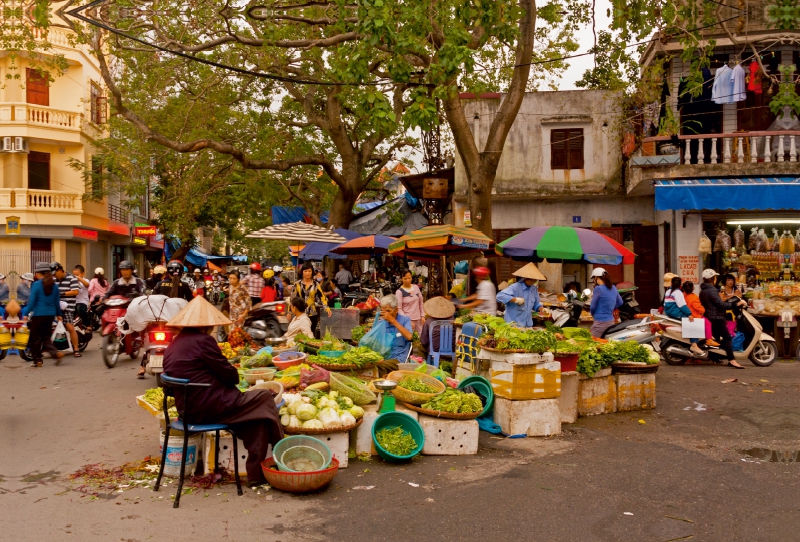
(110, 349)
(26, 354)
(3, 353)
(764, 354)
(671, 359)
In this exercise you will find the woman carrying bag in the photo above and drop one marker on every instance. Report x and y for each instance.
(45, 304)
(410, 302)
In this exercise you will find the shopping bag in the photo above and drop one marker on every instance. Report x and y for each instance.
(379, 338)
(693, 330)
(60, 338)
(737, 343)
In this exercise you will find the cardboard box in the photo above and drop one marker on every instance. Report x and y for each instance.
(537, 418)
(526, 382)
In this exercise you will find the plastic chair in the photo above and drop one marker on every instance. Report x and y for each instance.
(190, 429)
(445, 343)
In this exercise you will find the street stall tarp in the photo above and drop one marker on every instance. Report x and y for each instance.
(317, 250)
(286, 215)
(564, 244)
(297, 231)
(394, 218)
(197, 257)
(365, 246)
(741, 193)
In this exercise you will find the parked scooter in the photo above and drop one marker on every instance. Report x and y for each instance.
(759, 347)
(640, 330)
(114, 342)
(265, 321)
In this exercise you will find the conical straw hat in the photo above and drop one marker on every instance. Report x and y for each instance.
(439, 307)
(199, 313)
(530, 271)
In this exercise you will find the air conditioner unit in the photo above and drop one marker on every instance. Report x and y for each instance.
(20, 144)
(8, 145)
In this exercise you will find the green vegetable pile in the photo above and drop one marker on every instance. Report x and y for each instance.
(504, 336)
(359, 356)
(455, 401)
(624, 351)
(576, 333)
(396, 441)
(590, 361)
(567, 347)
(259, 360)
(155, 398)
(358, 332)
(414, 384)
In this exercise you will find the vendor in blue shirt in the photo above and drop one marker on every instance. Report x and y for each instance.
(400, 329)
(522, 298)
(605, 300)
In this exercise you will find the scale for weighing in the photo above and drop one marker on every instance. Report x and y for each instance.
(386, 401)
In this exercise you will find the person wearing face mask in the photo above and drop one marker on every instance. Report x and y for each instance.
(522, 298)
(605, 300)
(24, 288)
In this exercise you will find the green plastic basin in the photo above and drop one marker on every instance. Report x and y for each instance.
(407, 423)
(482, 385)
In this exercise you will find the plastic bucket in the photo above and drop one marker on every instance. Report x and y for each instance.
(172, 465)
(569, 362)
(408, 424)
(301, 451)
(483, 386)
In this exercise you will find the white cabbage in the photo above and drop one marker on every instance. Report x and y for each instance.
(329, 418)
(347, 418)
(306, 412)
(313, 424)
(285, 420)
(294, 422)
(357, 412)
(348, 401)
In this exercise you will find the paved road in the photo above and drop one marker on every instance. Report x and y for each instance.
(682, 475)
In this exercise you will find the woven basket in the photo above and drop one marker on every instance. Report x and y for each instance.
(301, 431)
(344, 366)
(442, 414)
(415, 397)
(622, 368)
(352, 388)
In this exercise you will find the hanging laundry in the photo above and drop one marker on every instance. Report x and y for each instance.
(737, 84)
(754, 83)
(651, 116)
(722, 91)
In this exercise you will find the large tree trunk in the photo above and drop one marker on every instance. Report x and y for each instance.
(481, 164)
(342, 207)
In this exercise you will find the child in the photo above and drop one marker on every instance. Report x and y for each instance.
(696, 310)
(268, 292)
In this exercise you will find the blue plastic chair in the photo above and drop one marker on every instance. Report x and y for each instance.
(445, 343)
(169, 384)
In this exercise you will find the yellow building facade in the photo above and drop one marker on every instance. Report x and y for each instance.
(44, 126)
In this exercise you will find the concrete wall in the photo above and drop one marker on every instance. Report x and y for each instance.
(524, 168)
(560, 212)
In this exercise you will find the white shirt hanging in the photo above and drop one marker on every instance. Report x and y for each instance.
(739, 94)
(722, 91)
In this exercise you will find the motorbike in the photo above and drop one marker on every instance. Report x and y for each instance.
(114, 342)
(630, 307)
(215, 292)
(265, 321)
(14, 336)
(759, 347)
(157, 338)
(569, 317)
(640, 330)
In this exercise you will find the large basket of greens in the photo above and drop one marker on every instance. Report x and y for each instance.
(360, 357)
(415, 388)
(352, 388)
(453, 404)
(397, 436)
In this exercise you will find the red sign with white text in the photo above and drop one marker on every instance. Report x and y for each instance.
(145, 231)
(80, 233)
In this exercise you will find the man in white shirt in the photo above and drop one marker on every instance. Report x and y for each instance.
(484, 300)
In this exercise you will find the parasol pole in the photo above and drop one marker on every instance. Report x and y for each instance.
(444, 275)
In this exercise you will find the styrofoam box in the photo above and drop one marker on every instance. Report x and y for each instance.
(449, 437)
(516, 358)
(225, 453)
(535, 418)
(526, 382)
(568, 401)
(339, 444)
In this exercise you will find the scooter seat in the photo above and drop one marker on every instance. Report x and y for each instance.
(674, 329)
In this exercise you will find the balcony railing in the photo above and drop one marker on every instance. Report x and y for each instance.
(55, 36)
(118, 214)
(734, 148)
(54, 201)
(37, 115)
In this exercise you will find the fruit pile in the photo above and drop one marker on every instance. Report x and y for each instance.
(227, 350)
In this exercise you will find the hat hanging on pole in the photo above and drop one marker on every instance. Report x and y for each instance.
(199, 313)
(439, 307)
(529, 271)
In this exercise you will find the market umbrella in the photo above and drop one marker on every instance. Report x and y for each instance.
(433, 242)
(297, 231)
(317, 250)
(365, 246)
(563, 244)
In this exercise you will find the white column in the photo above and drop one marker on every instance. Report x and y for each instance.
(780, 148)
(726, 150)
(767, 150)
(687, 156)
(740, 150)
(792, 149)
(714, 157)
(701, 157)
(753, 150)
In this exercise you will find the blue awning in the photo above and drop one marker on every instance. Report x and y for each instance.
(317, 250)
(741, 193)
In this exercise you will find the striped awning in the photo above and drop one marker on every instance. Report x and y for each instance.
(297, 231)
(740, 193)
(440, 240)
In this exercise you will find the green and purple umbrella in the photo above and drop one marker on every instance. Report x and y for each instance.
(563, 244)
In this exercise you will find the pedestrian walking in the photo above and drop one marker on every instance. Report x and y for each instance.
(45, 305)
(239, 299)
(254, 283)
(311, 292)
(410, 301)
(605, 300)
(68, 290)
(82, 299)
(343, 279)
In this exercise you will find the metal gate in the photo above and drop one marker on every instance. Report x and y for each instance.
(15, 263)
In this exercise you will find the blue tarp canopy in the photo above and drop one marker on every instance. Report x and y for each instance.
(196, 257)
(742, 193)
(317, 251)
(285, 215)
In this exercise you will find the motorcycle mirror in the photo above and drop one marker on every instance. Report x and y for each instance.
(587, 292)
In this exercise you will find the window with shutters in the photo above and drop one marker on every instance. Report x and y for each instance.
(37, 87)
(39, 170)
(98, 105)
(566, 149)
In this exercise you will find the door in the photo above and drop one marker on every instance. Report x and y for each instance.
(506, 266)
(37, 87)
(645, 245)
(614, 271)
(38, 170)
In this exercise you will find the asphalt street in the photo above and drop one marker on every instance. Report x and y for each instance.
(714, 461)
